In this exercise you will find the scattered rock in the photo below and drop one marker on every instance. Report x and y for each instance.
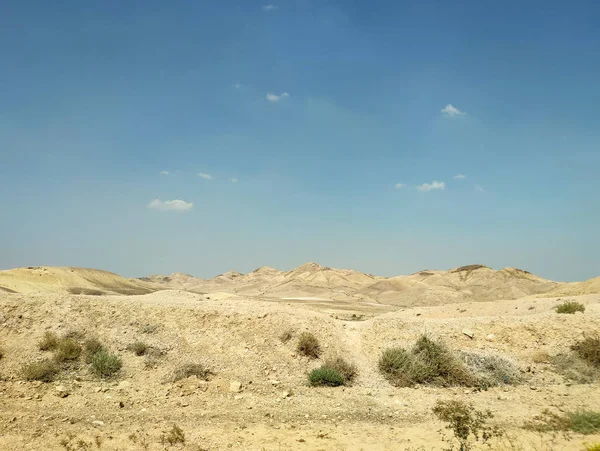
(235, 386)
(490, 337)
(61, 391)
(274, 382)
(98, 423)
(469, 333)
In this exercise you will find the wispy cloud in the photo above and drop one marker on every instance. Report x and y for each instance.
(205, 176)
(276, 98)
(234, 180)
(432, 186)
(450, 111)
(170, 205)
(268, 8)
(479, 188)
(460, 177)
(164, 172)
(238, 85)
(400, 185)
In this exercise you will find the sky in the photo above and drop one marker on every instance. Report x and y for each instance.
(152, 137)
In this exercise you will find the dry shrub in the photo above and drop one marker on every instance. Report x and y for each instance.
(67, 350)
(491, 369)
(91, 347)
(139, 348)
(346, 369)
(191, 369)
(175, 436)
(589, 350)
(308, 345)
(574, 368)
(49, 341)
(44, 370)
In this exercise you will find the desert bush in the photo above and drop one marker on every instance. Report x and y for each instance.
(429, 361)
(91, 347)
(105, 365)
(326, 376)
(589, 350)
(44, 370)
(570, 307)
(308, 345)
(190, 369)
(175, 436)
(286, 336)
(139, 348)
(49, 341)
(347, 370)
(580, 421)
(467, 424)
(572, 367)
(67, 350)
(491, 369)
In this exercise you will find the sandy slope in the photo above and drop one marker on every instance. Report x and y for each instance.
(238, 338)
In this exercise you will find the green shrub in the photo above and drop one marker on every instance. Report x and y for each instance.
(139, 348)
(67, 350)
(429, 361)
(308, 345)
(467, 424)
(175, 435)
(326, 376)
(589, 350)
(190, 369)
(44, 370)
(91, 347)
(49, 341)
(570, 307)
(105, 365)
(581, 421)
(347, 370)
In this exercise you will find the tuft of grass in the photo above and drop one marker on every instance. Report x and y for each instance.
(105, 365)
(570, 307)
(91, 347)
(44, 370)
(139, 348)
(175, 435)
(49, 341)
(467, 424)
(574, 368)
(191, 369)
(308, 345)
(67, 350)
(580, 421)
(589, 350)
(326, 376)
(429, 361)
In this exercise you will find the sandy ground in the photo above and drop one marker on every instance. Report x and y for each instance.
(275, 409)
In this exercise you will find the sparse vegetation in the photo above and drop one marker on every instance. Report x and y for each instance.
(326, 376)
(491, 369)
(191, 369)
(346, 369)
(308, 345)
(92, 347)
(44, 370)
(540, 356)
(139, 348)
(581, 421)
(589, 350)
(105, 365)
(570, 307)
(67, 350)
(49, 341)
(468, 425)
(175, 435)
(429, 361)
(574, 368)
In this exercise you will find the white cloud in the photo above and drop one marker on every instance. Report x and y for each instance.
(237, 86)
(400, 185)
(432, 186)
(205, 176)
(268, 8)
(479, 189)
(450, 111)
(234, 180)
(164, 172)
(172, 205)
(460, 176)
(276, 98)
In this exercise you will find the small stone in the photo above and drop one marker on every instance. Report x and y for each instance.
(285, 394)
(469, 333)
(235, 387)
(274, 382)
(61, 391)
(185, 404)
(98, 423)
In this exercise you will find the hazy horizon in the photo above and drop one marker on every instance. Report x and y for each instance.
(385, 137)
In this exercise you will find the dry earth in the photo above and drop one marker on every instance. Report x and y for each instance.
(273, 407)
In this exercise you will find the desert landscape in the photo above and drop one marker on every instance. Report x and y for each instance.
(314, 358)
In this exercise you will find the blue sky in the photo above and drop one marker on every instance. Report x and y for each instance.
(343, 123)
